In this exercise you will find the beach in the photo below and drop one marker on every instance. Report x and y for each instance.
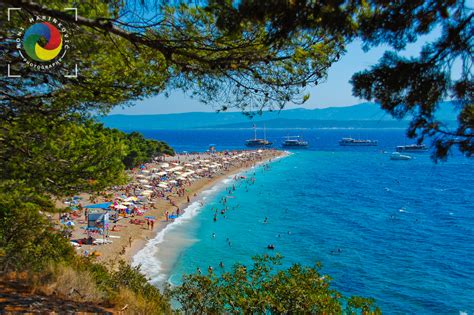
(156, 195)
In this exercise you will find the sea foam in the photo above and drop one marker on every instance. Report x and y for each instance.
(147, 258)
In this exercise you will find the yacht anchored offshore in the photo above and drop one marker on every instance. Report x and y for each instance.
(258, 142)
(294, 142)
(357, 142)
(412, 148)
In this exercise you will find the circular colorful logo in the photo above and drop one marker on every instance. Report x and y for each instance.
(42, 41)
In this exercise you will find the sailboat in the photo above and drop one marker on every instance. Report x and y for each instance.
(258, 142)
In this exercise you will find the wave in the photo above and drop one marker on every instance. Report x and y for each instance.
(147, 258)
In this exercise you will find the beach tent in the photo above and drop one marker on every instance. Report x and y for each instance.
(97, 221)
(104, 205)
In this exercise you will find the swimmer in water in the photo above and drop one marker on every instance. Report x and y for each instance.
(266, 220)
(199, 270)
(221, 264)
(213, 235)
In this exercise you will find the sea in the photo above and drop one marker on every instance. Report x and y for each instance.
(401, 232)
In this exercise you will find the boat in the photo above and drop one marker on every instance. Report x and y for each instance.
(255, 142)
(357, 142)
(294, 142)
(412, 148)
(399, 157)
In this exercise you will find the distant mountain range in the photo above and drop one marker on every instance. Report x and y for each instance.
(365, 115)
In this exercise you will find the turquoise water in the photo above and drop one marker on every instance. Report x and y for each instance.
(401, 232)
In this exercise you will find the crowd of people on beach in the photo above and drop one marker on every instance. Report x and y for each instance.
(166, 178)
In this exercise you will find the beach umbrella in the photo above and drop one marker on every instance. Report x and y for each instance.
(143, 181)
(120, 207)
(147, 186)
(70, 223)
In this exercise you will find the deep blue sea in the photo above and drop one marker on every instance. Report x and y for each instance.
(401, 232)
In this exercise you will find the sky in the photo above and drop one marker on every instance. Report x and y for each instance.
(335, 92)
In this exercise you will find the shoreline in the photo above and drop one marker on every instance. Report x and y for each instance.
(210, 189)
(121, 248)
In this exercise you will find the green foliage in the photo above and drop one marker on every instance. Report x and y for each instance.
(124, 59)
(60, 156)
(27, 239)
(67, 156)
(133, 279)
(141, 150)
(113, 282)
(261, 290)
